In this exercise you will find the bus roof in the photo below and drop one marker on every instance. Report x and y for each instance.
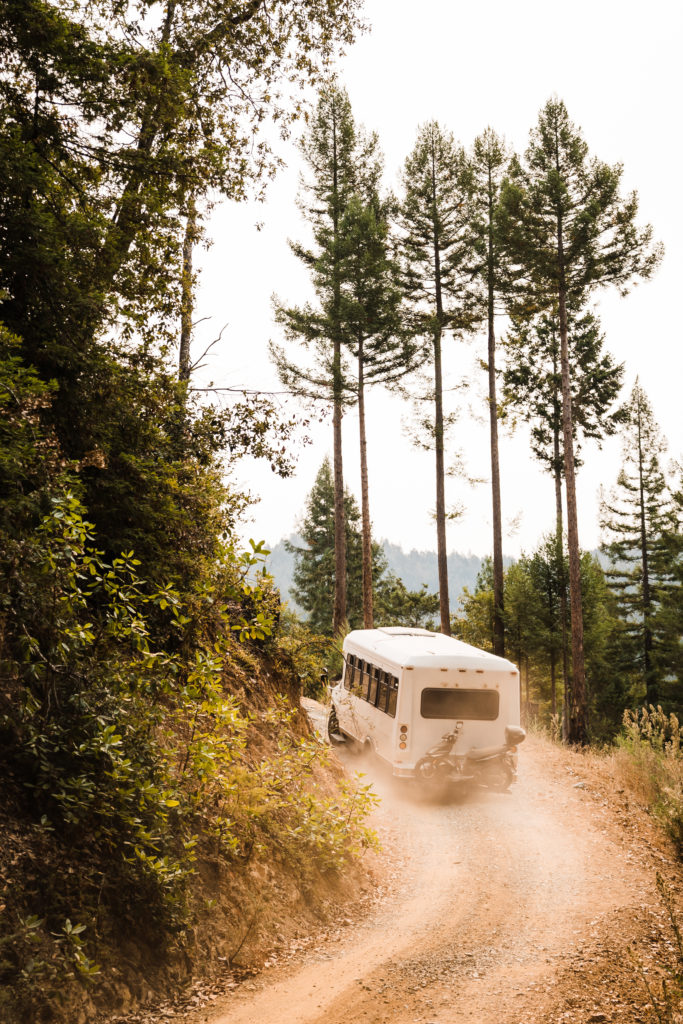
(418, 648)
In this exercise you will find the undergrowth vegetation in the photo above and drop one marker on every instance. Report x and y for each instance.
(648, 759)
(665, 994)
(125, 743)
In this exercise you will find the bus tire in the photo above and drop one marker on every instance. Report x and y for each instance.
(334, 733)
(425, 769)
(501, 781)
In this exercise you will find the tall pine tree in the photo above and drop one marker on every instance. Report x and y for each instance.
(636, 517)
(434, 245)
(532, 389)
(373, 332)
(487, 164)
(343, 162)
(569, 232)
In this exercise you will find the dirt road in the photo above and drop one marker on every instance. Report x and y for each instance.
(505, 908)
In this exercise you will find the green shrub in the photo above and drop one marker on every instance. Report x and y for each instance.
(128, 754)
(308, 656)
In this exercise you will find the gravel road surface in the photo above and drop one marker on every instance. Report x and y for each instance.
(502, 909)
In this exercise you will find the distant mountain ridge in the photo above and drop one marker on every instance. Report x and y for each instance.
(413, 567)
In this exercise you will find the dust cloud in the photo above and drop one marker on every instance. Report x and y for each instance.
(484, 900)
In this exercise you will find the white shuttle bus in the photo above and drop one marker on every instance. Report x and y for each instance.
(402, 689)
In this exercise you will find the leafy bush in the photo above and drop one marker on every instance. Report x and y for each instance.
(128, 754)
(309, 656)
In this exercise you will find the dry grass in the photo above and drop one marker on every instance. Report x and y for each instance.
(648, 759)
(644, 769)
(645, 764)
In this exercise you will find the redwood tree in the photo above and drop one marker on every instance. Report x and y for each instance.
(569, 232)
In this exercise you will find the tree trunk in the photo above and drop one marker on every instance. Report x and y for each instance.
(339, 610)
(562, 582)
(651, 694)
(368, 616)
(123, 226)
(578, 711)
(187, 293)
(442, 557)
(553, 684)
(553, 633)
(498, 579)
(559, 541)
(498, 619)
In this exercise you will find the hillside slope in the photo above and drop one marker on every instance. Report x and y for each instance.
(289, 873)
(414, 567)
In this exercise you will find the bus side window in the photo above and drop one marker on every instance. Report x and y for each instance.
(349, 675)
(382, 689)
(392, 696)
(364, 679)
(372, 690)
(357, 685)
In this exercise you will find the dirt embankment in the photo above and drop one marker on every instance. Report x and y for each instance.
(536, 906)
(232, 912)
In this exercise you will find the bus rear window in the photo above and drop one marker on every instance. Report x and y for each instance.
(480, 705)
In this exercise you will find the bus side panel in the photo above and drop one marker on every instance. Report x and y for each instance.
(358, 718)
(386, 727)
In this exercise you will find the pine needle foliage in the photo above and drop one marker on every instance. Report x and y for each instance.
(568, 232)
(637, 517)
(313, 588)
(434, 245)
(532, 383)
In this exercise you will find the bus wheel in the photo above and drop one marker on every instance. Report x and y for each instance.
(501, 780)
(424, 769)
(334, 733)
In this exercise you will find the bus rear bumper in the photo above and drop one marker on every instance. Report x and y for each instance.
(403, 773)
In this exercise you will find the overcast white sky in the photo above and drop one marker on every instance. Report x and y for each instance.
(617, 67)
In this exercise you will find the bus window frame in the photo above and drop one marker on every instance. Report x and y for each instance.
(373, 685)
(364, 679)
